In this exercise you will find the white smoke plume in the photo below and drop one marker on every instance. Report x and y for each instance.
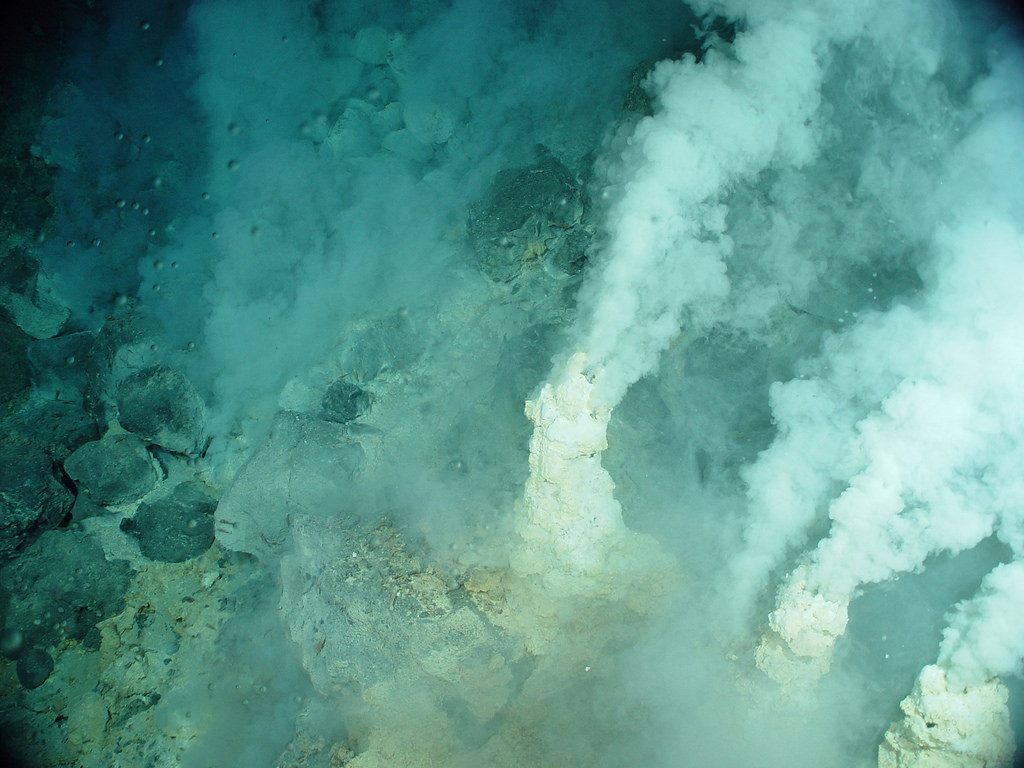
(913, 412)
(718, 121)
(985, 636)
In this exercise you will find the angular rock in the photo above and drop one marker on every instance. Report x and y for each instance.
(950, 725)
(638, 99)
(34, 494)
(61, 586)
(305, 463)
(85, 507)
(58, 365)
(114, 470)
(127, 343)
(58, 428)
(385, 616)
(525, 217)
(28, 303)
(160, 405)
(31, 496)
(15, 383)
(177, 527)
(344, 402)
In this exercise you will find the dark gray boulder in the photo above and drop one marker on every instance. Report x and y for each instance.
(525, 217)
(58, 428)
(114, 470)
(34, 493)
(61, 586)
(177, 527)
(31, 495)
(127, 343)
(160, 405)
(344, 402)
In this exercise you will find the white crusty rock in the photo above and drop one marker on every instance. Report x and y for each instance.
(802, 631)
(569, 523)
(950, 726)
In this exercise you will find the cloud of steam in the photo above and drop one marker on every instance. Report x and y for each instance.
(985, 636)
(718, 121)
(912, 413)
